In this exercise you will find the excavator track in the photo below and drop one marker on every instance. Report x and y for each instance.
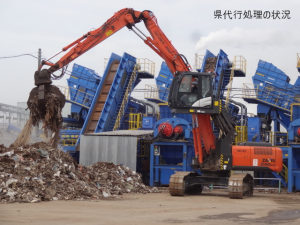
(240, 185)
(179, 184)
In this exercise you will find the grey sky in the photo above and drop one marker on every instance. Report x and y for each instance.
(28, 25)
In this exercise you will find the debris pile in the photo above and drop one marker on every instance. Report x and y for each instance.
(40, 173)
(210, 64)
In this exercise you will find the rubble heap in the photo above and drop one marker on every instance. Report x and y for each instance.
(39, 173)
(210, 64)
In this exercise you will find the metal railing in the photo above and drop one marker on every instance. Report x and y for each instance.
(153, 92)
(146, 65)
(125, 100)
(241, 134)
(198, 61)
(269, 95)
(105, 63)
(268, 137)
(69, 142)
(76, 96)
(279, 184)
(280, 139)
(239, 63)
(135, 121)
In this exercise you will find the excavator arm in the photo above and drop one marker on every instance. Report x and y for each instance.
(125, 17)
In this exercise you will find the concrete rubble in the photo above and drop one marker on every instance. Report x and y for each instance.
(38, 172)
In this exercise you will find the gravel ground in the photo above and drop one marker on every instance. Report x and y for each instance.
(160, 208)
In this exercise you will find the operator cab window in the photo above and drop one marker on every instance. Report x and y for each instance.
(195, 91)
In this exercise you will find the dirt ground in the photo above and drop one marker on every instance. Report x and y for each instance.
(160, 208)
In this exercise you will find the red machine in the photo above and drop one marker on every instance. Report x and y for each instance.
(190, 92)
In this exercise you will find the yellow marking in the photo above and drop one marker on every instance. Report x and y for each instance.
(163, 76)
(74, 77)
(260, 74)
(286, 155)
(222, 168)
(108, 33)
(192, 110)
(226, 162)
(63, 135)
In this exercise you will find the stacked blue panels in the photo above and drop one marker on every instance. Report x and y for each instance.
(116, 93)
(274, 87)
(83, 83)
(164, 81)
(267, 73)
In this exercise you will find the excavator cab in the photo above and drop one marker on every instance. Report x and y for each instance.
(192, 92)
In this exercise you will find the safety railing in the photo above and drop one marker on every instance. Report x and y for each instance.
(239, 63)
(268, 137)
(280, 139)
(105, 62)
(125, 100)
(268, 188)
(241, 134)
(198, 61)
(76, 96)
(269, 95)
(298, 60)
(69, 142)
(135, 121)
(284, 173)
(154, 92)
(146, 65)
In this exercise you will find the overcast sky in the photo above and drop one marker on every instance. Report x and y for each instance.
(28, 25)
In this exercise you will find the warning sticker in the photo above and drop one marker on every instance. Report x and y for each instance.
(255, 162)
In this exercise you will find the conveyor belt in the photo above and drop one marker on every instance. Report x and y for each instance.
(97, 110)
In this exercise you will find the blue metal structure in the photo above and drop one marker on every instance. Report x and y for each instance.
(222, 70)
(164, 81)
(164, 163)
(166, 158)
(116, 94)
(294, 150)
(83, 83)
(169, 156)
(276, 101)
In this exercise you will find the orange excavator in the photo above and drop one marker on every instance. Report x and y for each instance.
(192, 93)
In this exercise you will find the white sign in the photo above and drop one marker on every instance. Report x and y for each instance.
(255, 162)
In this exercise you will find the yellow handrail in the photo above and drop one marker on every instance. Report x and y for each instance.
(146, 65)
(198, 61)
(125, 99)
(242, 134)
(135, 121)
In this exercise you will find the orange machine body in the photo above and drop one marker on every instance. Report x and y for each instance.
(255, 158)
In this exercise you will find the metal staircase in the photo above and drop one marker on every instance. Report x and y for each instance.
(126, 96)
